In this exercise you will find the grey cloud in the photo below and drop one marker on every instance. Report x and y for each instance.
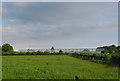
(56, 21)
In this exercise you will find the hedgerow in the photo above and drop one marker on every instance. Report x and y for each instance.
(111, 59)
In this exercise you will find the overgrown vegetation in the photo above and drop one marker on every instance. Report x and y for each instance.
(54, 67)
(110, 49)
(111, 59)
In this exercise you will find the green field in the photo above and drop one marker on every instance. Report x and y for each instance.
(54, 67)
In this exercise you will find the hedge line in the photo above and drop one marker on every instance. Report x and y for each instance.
(112, 59)
(34, 53)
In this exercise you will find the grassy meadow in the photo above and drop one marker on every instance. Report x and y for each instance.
(54, 67)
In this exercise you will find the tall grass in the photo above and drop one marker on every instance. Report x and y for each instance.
(54, 67)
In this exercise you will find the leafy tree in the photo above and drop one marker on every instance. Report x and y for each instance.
(60, 51)
(86, 50)
(105, 51)
(110, 50)
(7, 48)
(28, 53)
(113, 46)
(118, 49)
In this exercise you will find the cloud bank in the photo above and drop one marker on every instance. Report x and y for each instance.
(63, 24)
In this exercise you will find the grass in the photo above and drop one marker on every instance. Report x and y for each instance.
(54, 67)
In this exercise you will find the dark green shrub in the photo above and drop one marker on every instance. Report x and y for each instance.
(115, 59)
(107, 58)
(27, 53)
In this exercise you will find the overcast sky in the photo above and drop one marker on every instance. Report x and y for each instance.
(59, 24)
(60, 0)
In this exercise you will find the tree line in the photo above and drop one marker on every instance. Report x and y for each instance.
(110, 49)
(110, 54)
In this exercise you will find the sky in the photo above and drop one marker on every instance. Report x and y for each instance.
(59, 24)
(60, 0)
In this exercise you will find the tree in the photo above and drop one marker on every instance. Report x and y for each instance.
(52, 48)
(113, 46)
(111, 50)
(105, 51)
(86, 50)
(60, 52)
(7, 48)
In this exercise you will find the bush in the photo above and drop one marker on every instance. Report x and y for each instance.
(112, 59)
(107, 58)
(97, 61)
(115, 59)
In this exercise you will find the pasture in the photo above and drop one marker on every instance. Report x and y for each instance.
(54, 67)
